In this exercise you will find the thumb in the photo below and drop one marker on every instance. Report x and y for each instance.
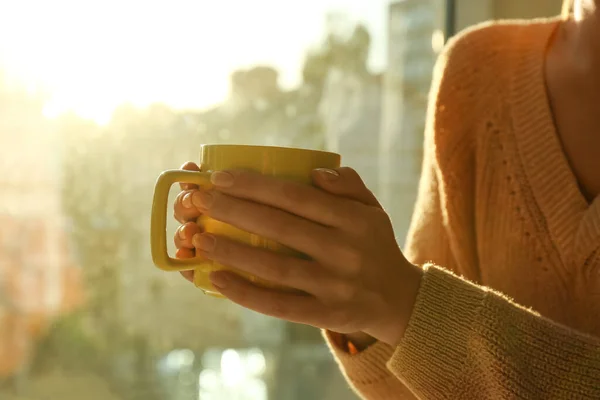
(344, 182)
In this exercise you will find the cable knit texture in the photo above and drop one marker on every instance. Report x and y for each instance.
(498, 207)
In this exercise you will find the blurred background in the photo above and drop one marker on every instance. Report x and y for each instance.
(98, 97)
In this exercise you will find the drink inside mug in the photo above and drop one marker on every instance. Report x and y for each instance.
(282, 162)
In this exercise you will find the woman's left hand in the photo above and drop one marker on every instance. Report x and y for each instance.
(357, 279)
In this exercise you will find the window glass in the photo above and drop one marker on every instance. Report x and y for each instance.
(98, 97)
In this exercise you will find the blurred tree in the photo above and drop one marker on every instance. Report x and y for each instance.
(108, 175)
(28, 274)
(104, 226)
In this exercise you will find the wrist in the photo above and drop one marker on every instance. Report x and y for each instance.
(403, 291)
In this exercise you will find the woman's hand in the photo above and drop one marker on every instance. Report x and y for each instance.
(357, 279)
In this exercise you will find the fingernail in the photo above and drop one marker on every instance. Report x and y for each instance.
(221, 179)
(219, 279)
(187, 200)
(182, 234)
(202, 199)
(328, 174)
(204, 242)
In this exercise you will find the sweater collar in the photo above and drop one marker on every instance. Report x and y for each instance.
(573, 224)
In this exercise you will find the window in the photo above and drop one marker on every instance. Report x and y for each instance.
(98, 97)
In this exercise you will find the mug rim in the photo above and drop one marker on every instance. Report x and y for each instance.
(262, 147)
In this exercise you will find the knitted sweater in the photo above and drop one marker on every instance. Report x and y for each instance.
(499, 206)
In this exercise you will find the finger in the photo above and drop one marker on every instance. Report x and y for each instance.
(188, 275)
(300, 234)
(185, 253)
(189, 166)
(292, 307)
(303, 200)
(184, 234)
(184, 209)
(273, 267)
(344, 182)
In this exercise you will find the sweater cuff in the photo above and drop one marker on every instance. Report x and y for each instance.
(432, 352)
(365, 368)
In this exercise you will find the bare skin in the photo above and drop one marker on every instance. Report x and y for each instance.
(357, 280)
(573, 84)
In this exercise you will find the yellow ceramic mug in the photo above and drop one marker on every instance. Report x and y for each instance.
(282, 162)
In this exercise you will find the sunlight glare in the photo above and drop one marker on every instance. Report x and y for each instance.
(95, 55)
(232, 369)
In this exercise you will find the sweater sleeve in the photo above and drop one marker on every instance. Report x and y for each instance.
(469, 342)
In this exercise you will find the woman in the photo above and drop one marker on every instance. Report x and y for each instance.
(506, 200)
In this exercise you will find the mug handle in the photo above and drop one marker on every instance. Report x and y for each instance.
(158, 218)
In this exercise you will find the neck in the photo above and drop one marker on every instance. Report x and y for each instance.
(583, 8)
(582, 35)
